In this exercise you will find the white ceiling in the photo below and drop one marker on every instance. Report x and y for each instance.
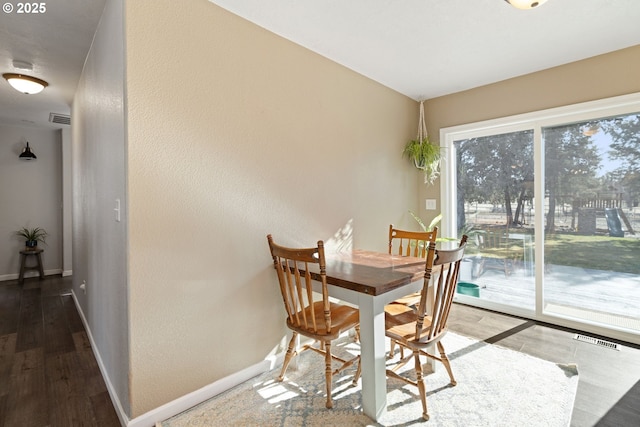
(429, 48)
(56, 42)
(421, 48)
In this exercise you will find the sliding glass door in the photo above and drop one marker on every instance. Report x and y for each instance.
(494, 189)
(551, 203)
(592, 221)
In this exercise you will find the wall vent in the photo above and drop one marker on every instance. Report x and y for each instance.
(597, 341)
(62, 119)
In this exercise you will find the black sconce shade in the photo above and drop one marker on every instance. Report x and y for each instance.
(27, 154)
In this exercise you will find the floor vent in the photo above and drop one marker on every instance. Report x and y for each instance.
(597, 341)
(62, 119)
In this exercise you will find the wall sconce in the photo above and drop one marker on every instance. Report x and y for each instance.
(525, 4)
(27, 154)
(25, 84)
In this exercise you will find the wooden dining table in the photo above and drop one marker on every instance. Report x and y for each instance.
(371, 280)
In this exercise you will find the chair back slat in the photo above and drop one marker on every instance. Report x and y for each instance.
(444, 266)
(422, 305)
(411, 243)
(297, 289)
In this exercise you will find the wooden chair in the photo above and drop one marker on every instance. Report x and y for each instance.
(409, 243)
(311, 314)
(418, 329)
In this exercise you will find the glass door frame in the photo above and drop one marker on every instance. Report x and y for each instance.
(535, 121)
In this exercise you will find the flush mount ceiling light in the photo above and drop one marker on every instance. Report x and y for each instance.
(525, 4)
(591, 130)
(25, 84)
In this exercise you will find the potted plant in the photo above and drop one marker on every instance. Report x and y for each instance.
(32, 236)
(424, 154)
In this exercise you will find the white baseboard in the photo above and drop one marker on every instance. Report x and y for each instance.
(29, 274)
(185, 402)
(66, 273)
(124, 419)
(181, 404)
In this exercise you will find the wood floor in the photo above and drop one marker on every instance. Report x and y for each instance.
(49, 375)
(48, 372)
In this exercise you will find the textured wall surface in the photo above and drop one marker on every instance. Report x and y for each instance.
(234, 133)
(99, 176)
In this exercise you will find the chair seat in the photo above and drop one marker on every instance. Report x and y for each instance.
(400, 325)
(343, 318)
(411, 299)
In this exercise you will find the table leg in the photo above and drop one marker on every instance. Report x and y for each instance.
(373, 356)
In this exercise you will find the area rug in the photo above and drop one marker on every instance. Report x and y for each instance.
(495, 387)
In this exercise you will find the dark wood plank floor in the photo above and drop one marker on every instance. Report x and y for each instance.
(49, 375)
(48, 372)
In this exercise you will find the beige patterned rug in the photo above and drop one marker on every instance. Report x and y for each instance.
(496, 387)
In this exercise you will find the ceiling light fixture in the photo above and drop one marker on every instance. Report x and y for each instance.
(25, 84)
(525, 4)
(27, 154)
(591, 130)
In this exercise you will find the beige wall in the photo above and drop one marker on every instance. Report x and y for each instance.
(234, 133)
(604, 76)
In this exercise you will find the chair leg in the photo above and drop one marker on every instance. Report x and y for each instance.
(328, 372)
(288, 356)
(392, 348)
(421, 387)
(356, 377)
(445, 362)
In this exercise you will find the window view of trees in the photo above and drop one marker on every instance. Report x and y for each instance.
(496, 170)
(625, 147)
(590, 164)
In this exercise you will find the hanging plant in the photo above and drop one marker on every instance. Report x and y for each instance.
(424, 154)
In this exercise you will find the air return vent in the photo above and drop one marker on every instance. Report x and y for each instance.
(62, 119)
(596, 341)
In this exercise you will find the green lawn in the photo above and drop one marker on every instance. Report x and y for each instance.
(594, 252)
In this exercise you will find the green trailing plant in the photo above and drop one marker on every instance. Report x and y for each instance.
(36, 234)
(425, 156)
(424, 153)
